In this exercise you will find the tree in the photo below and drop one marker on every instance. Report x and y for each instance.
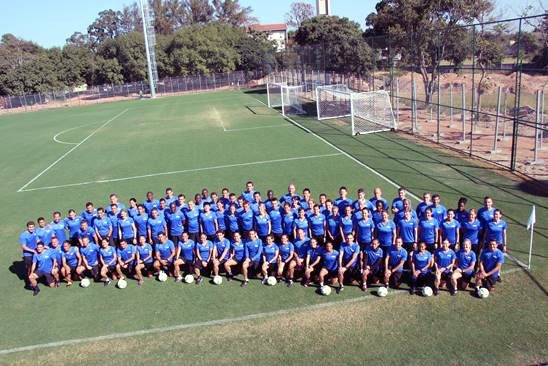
(129, 19)
(76, 65)
(78, 39)
(298, 13)
(107, 71)
(106, 26)
(425, 33)
(198, 11)
(257, 52)
(336, 42)
(169, 15)
(231, 12)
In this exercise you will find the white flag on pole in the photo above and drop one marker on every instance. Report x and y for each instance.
(532, 219)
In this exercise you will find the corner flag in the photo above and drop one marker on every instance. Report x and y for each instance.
(532, 219)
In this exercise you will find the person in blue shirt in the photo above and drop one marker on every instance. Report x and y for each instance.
(175, 220)
(450, 229)
(333, 225)
(72, 224)
(181, 203)
(377, 214)
(246, 220)
(253, 255)
(155, 226)
(288, 218)
(114, 217)
(439, 212)
(393, 265)
(208, 222)
(461, 213)
(204, 257)
(330, 263)
(247, 194)
(364, 229)
(170, 197)
(44, 231)
(362, 202)
(113, 200)
(232, 221)
(349, 266)
(28, 240)
(221, 252)
(192, 215)
(312, 262)
(220, 212)
(407, 230)
(491, 261)
(43, 266)
(255, 203)
(377, 196)
(126, 228)
(422, 206)
(301, 223)
(133, 208)
(58, 226)
(306, 201)
(291, 192)
(421, 265)
(276, 220)
(125, 254)
(90, 259)
(103, 227)
(270, 259)
(287, 260)
(57, 253)
(496, 231)
(86, 230)
(371, 263)
(343, 199)
(464, 268)
(347, 222)
(162, 208)
(470, 230)
(317, 225)
(71, 261)
(385, 232)
(401, 213)
(263, 225)
(397, 203)
(143, 259)
(429, 230)
(487, 212)
(237, 256)
(89, 214)
(185, 256)
(150, 203)
(301, 245)
(108, 259)
(444, 262)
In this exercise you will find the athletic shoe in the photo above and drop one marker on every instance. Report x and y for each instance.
(290, 283)
(306, 284)
(453, 292)
(140, 282)
(229, 276)
(499, 279)
(412, 291)
(35, 291)
(57, 284)
(106, 283)
(199, 280)
(340, 289)
(364, 287)
(69, 283)
(178, 279)
(436, 291)
(244, 284)
(264, 281)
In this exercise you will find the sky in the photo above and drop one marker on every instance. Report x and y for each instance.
(49, 23)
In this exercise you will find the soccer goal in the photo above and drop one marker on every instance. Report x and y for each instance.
(288, 97)
(366, 112)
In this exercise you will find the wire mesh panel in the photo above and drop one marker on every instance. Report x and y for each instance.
(274, 94)
(372, 112)
(333, 101)
(292, 99)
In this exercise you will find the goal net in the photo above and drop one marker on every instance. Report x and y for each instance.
(366, 112)
(288, 97)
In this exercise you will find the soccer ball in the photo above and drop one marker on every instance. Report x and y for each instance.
(483, 293)
(85, 282)
(189, 278)
(325, 290)
(271, 281)
(382, 291)
(122, 284)
(217, 280)
(162, 277)
(427, 291)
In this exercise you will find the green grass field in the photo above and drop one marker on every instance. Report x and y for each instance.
(223, 139)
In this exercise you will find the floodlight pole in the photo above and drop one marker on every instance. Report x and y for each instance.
(149, 62)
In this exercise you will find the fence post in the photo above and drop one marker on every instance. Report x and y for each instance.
(463, 111)
(504, 113)
(541, 119)
(499, 90)
(397, 100)
(451, 125)
(413, 106)
(473, 89)
(537, 123)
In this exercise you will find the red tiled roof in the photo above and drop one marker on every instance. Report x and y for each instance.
(268, 27)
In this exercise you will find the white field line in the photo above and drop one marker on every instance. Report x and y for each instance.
(217, 116)
(208, 323)
(182, 171)
(55, 138)
(71, 150)
(345, 153)
(256, 128)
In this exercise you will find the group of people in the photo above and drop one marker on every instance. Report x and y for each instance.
(292, 237)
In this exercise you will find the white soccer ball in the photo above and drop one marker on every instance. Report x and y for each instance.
(483, 293)
(217, 280)
(162, 276)
(85, 282)
(271, 281)
(427, 291)
(122, 284)
(189, 278)
(382, 291)
(325, 290)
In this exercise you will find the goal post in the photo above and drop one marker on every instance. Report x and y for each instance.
(366, 112)
(288, 97)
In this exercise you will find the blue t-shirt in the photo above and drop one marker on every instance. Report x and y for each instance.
(175, 222)
(365, 230)
(253, 249)
(208, 223)
(373, 256)
(102, 226)
(485, 216)
(427, 230)
(141, 222)
(246, 220)
(144, 251)
(314, 253)
(193, 220)
(317, 224)
(286, 250)
(204, 249)
(333, 225)
(73, 226)
(44, 260)
(461, 216)
(287, 223)
(342, 203)
(407, 230)
(421, 208)
(347, 225)
(301, 224)
(126, 226)
(59, 230)
(89, 233)
(44, 234)
(232, 222)
(470, 230)
(385, 233)
(187, 250)
(261, 224)
(91, 253)
(220, 216)
(115, 225)
(150, 204)
(156, 226)
(397, 203)
(221, 245)
(395, 256)
(495, 231)
(301, 247)
(276, 222)
(29, 239)
(89, 216)
(165, 249)
(400, 215)
(127, 253)
(239, 251)
(490, 259)
(57, 254)
(421, 260)
(449, 231)
(443, 258)
(373, 201)
(465, 260)
(439, 213)
(71, 257)
(269, 252)
(108, 254)
(330, 260)
(348, 250)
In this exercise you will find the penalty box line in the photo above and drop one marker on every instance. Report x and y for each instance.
(22, 189)
(256, 316)
(181, 172)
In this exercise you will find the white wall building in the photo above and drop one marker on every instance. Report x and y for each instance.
(276, 32)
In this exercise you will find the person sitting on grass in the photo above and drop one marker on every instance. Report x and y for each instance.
(444, 261)
(330, 263)
(491, 260)
(371, 263)
(90, 259)
(165, 253)
(71, 261)
(465, 264)
(270, 259)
